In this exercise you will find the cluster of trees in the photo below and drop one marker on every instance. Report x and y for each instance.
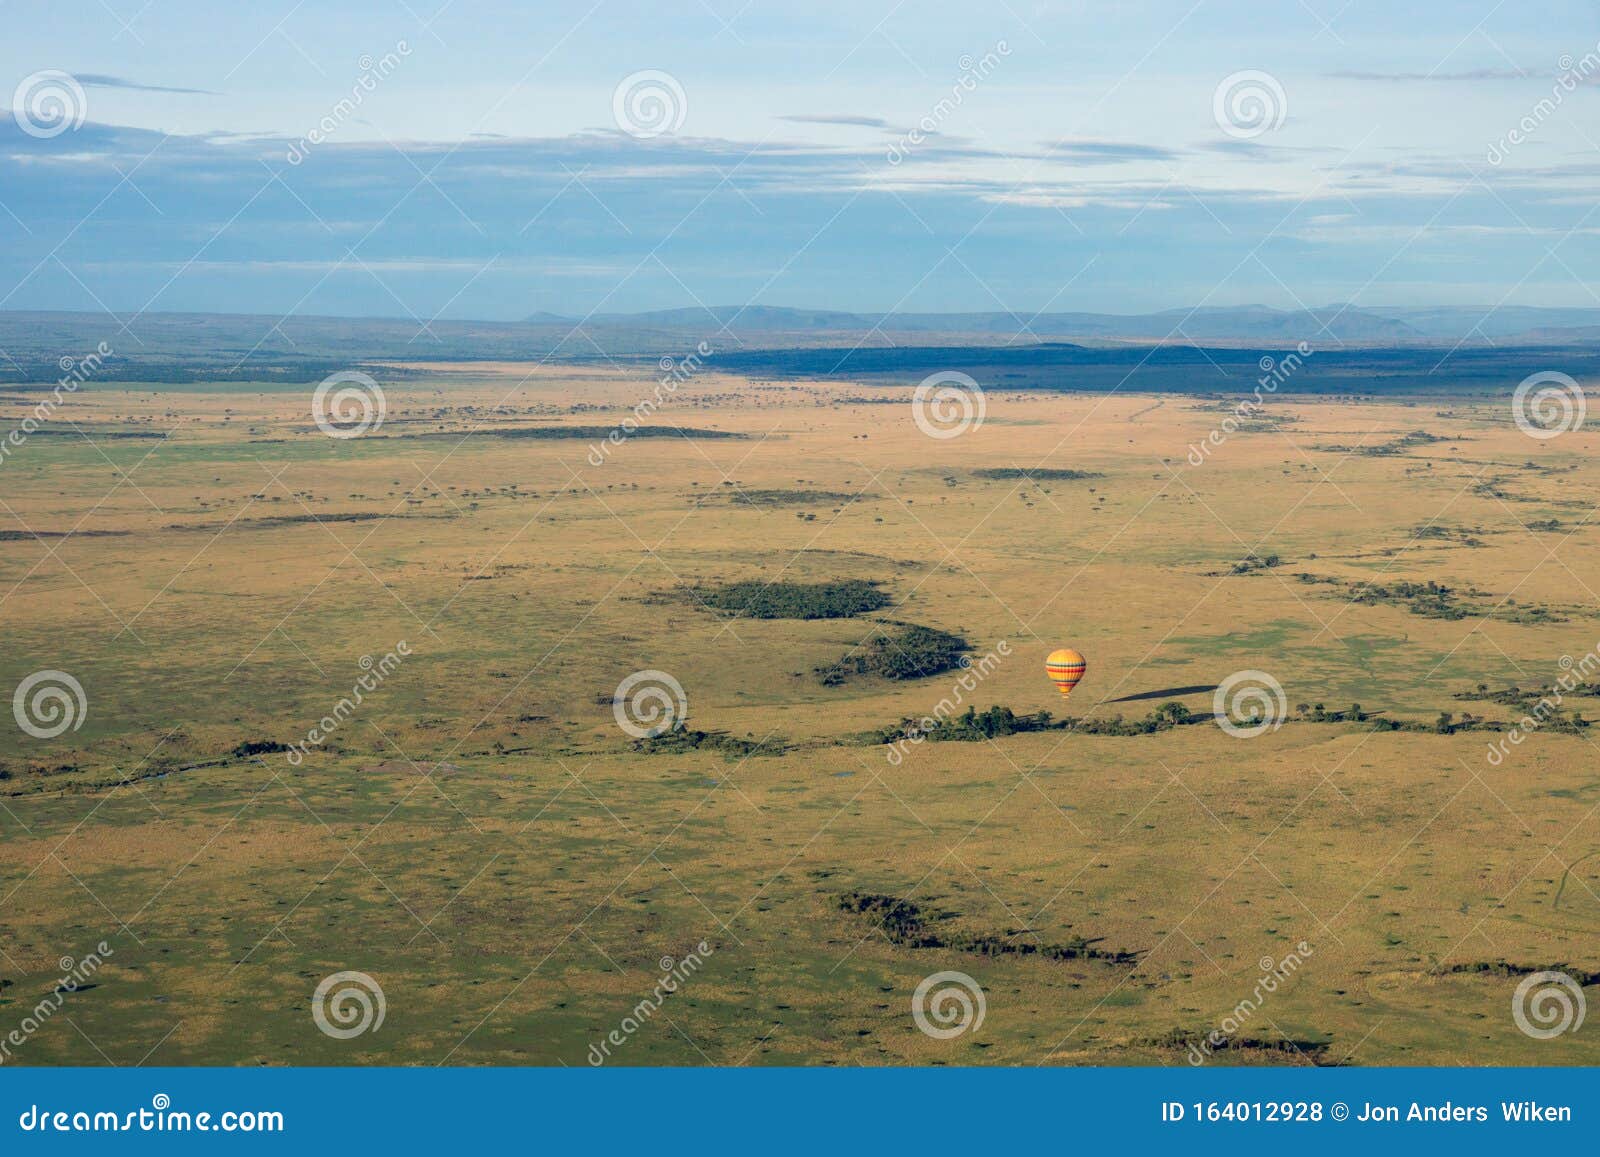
(748, 497)
(1014, 473)
(1429, 599)
(1317, 713)
(1254, 562)
(910, 651)
(906, 925)
(783, 600)
(683, 738)
(973, 725)
(1553, 719)
(1516, 697)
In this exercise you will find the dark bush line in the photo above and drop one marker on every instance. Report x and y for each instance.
(786, 600)
(973, 726)
(1013, 473)
(1389, 449)
(1518, 697)
(907, 926)
(681, 739)
(1179, 1038)
(747, 497)
(258, 747)
(910, 652)
(590, 433)
(1505, 969)
(1434, 600)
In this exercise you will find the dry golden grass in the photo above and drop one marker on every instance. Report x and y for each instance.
(482, 838)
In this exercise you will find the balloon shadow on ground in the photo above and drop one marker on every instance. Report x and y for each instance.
(1166, 693)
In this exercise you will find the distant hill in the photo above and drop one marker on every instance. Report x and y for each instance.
(181, 347)
(1324, 326)
(1333, 325)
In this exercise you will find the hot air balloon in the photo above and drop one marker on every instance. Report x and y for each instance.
(1065, 667)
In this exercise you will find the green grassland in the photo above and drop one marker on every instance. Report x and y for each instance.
(482, 837)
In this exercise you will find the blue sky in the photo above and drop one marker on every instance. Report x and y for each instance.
(1071, 156)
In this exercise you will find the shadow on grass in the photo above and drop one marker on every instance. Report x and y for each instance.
(1166, 693)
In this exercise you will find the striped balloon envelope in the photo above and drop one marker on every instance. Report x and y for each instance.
(1065, 667)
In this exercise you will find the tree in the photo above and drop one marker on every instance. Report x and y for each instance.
(1174, 711)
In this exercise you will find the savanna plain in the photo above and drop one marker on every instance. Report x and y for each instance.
(818, 590)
